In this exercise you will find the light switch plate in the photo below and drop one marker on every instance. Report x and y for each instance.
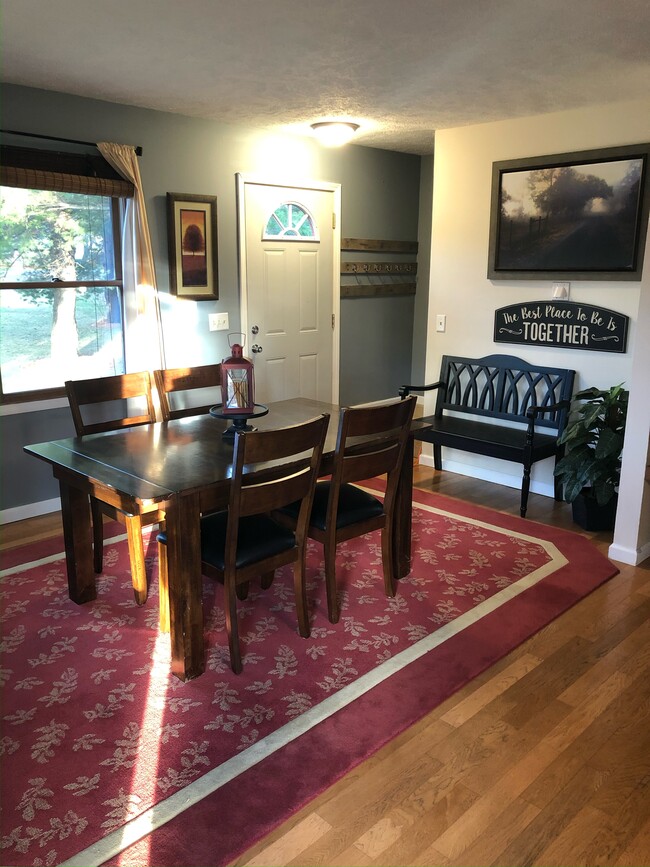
(441, 322)
(218, 321)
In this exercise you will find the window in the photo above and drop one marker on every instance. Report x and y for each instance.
(290, 221)
(61, 305)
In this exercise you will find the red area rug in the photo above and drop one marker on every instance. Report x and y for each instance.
(108, 759)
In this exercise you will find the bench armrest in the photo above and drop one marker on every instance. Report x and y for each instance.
(405, 390)
(533, 411)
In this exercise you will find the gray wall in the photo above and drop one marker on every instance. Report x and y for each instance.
(380, 191)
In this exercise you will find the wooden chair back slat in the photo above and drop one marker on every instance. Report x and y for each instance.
(186, 379)
(114, 392)
(271, 481)
(371, 440)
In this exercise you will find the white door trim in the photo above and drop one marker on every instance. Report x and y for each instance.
(326, 186)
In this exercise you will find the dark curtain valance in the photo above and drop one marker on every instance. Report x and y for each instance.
(38, 169)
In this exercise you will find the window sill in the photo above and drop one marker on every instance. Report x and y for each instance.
(33, 406)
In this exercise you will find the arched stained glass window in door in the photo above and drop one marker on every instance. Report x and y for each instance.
(290, 222)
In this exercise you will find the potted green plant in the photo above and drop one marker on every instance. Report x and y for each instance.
(591, 467)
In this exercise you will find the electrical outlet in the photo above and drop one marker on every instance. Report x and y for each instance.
(441, 322)
(218, 321)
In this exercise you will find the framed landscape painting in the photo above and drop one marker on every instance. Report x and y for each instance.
(192, 243)
(574, 216)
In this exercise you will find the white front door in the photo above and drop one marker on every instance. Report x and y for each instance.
(289, 257)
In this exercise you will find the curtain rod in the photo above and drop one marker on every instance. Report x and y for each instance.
(91, 144)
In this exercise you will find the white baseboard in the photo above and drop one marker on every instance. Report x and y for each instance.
(30, 510)
(488, 475)
(630, 556)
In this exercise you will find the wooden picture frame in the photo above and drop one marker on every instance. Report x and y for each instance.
(192, 245)
(573, 216)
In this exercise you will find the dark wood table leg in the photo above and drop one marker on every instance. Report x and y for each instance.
(77, 536)
(182, 523)
(404, 511)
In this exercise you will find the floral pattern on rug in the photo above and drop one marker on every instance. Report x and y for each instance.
(94, 728)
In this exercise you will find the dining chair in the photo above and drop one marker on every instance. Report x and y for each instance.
(371, 442)
(106, 404)
(180, 380)
(271, 468)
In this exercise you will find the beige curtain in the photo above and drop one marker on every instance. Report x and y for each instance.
(145, 346)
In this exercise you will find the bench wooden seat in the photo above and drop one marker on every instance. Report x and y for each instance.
(479, 399)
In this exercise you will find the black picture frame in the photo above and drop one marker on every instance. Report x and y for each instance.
(192, 246)
(548, 221)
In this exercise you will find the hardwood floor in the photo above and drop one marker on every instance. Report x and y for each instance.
(24, 532)
(542, 760)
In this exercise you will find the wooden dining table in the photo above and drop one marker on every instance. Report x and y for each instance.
(182, 467)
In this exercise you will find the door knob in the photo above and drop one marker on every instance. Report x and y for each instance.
(256, 348)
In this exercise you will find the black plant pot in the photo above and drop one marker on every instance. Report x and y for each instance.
(590, 516)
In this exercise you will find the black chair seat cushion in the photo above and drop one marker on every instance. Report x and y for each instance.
(259, 537)
(355, 505)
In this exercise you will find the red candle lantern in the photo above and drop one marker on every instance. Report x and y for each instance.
(237, 381)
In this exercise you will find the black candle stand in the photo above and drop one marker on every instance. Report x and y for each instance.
(239, 420)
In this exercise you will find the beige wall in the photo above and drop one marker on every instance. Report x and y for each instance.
(460, 288)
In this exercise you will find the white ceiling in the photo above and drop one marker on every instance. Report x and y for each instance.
(399, 68)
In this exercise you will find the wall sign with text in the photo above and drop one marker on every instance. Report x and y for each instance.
(567, 324)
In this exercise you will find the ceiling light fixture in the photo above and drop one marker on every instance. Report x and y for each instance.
(334, 133)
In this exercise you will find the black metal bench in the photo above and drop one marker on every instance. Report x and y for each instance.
(479, 398)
